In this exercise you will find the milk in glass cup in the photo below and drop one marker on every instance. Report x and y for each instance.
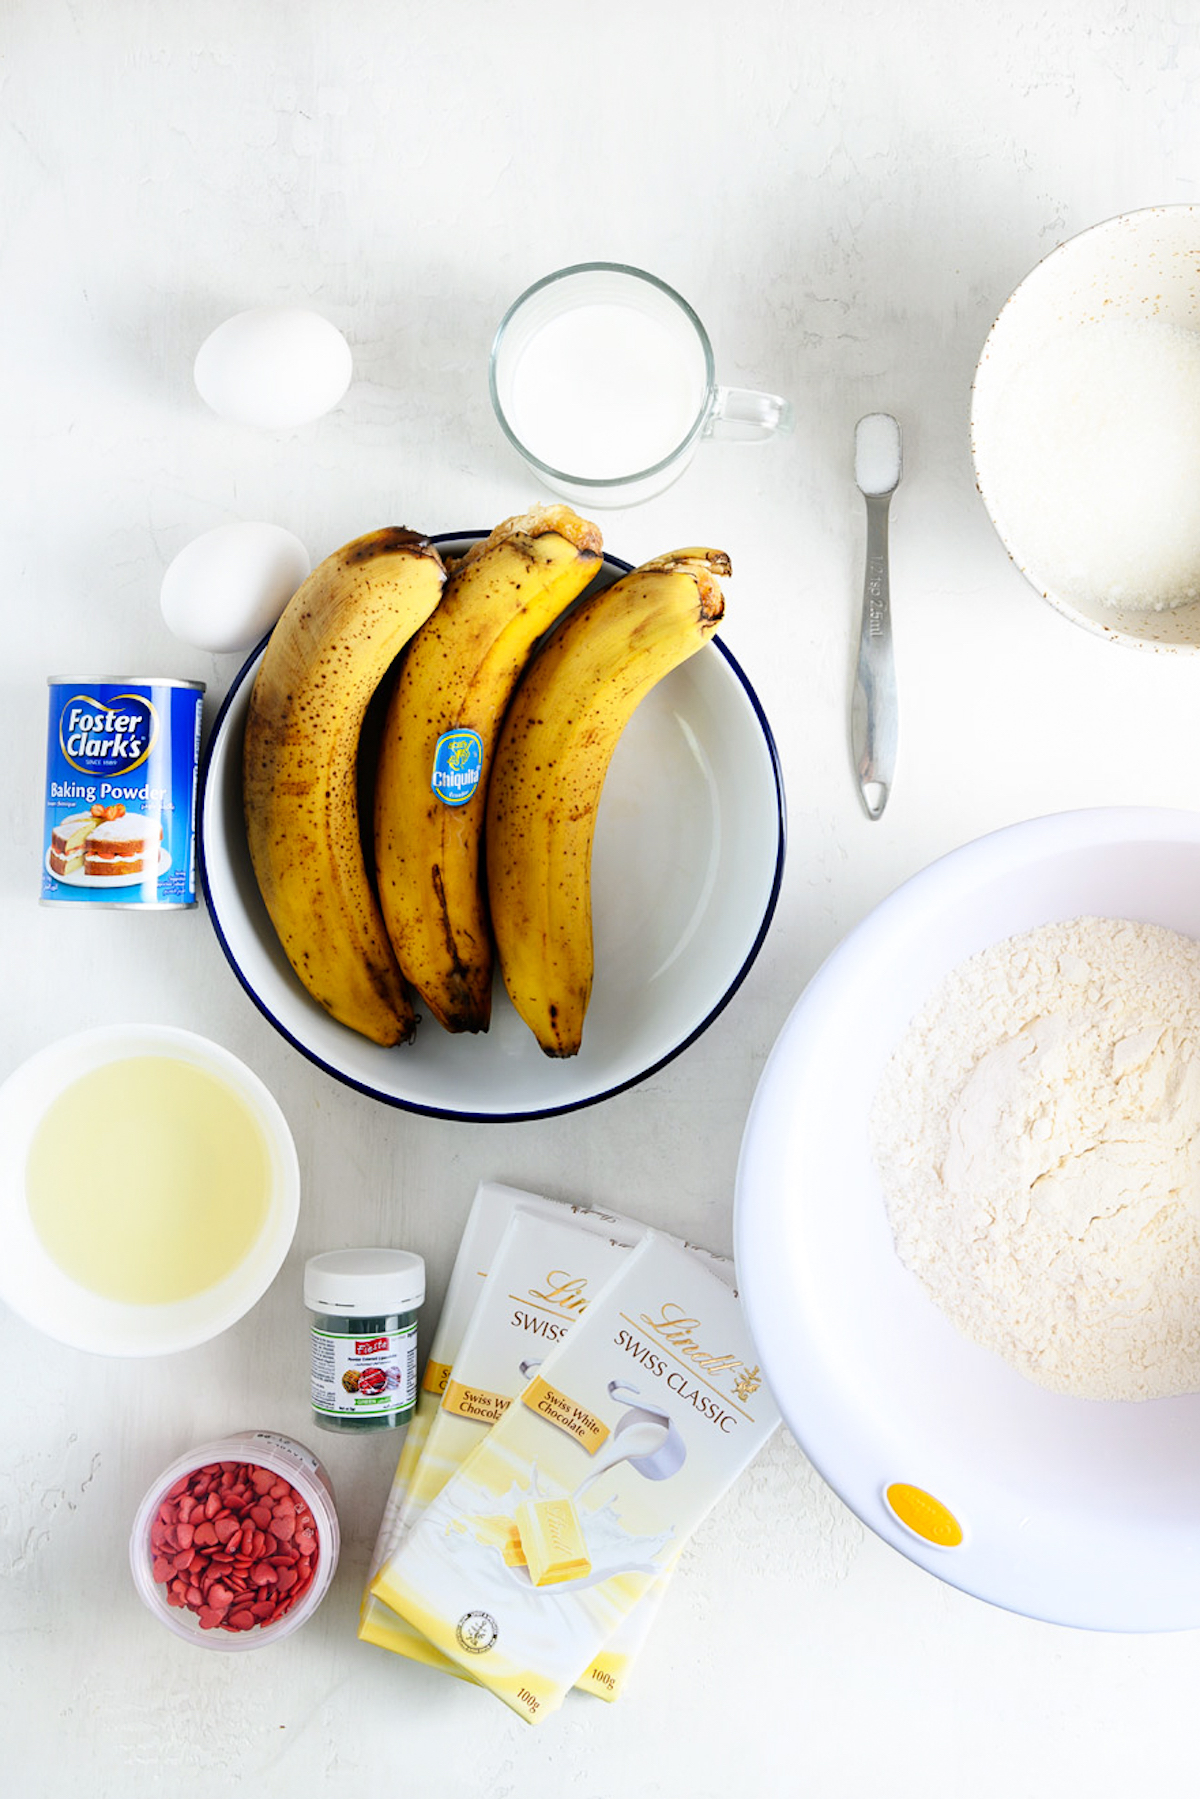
(603, 380)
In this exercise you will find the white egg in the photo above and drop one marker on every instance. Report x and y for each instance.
(275, 366)
(226, 588)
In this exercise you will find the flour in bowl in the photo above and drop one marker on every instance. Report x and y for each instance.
(1038, 1137)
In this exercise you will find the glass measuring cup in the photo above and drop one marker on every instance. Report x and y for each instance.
(603, 380)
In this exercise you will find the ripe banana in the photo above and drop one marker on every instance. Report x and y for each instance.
(549, 768)
(325, 658)
(447, 703)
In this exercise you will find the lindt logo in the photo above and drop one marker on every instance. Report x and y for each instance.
(564, 1290)
(675, 1327)
(371, 1346)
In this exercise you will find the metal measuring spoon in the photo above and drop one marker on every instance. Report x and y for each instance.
(873, 712)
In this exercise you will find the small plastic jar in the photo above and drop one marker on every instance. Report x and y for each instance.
(259, 1452)
(364, 1336)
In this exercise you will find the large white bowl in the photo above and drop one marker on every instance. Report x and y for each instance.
(1077, 1511)
(41, 1292)
(687, 863)
(1138, 265)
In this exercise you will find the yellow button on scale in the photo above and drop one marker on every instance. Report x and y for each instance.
(924, 1515)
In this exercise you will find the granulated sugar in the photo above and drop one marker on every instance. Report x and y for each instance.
(1096, 471)
(1038, 1136)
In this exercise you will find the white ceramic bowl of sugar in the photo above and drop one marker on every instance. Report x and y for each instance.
(1078, 1511)
(1085, 428)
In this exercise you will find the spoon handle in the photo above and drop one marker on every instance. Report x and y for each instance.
(873, 711)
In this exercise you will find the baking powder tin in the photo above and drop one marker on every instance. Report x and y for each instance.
(121, 778)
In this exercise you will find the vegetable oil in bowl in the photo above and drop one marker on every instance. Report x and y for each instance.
(149, 1189)
(148, 1180)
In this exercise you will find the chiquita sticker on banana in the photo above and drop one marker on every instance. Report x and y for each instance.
(457, 766)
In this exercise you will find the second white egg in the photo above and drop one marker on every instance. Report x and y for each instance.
(227, 587)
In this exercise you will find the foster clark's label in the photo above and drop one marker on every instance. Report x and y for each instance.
(457, 765)
(122, 759)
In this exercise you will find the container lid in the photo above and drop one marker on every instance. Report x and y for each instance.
(364, 1283)
(122, 681)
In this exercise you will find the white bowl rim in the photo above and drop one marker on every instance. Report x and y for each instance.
(1106, 633)
(525, 1114)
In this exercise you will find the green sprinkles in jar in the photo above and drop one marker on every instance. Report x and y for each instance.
(364, 1336)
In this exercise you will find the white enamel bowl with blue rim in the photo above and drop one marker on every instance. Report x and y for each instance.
(688, 859)
(1077, 1511)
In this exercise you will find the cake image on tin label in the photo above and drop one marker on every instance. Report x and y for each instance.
(107, 843)
(122, 846)
(67, 840)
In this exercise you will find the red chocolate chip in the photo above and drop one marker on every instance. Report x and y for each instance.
(250, 1555)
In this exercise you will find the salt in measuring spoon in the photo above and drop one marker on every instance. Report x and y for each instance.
(873, 710)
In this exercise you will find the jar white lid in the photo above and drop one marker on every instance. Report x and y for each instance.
(364, 1283)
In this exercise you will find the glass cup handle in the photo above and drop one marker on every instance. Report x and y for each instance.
(743, 416)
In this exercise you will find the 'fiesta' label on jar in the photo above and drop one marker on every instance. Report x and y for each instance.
(361, 1376)
(457, 765)
(122, 761)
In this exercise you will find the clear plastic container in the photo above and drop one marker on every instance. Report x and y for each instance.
(281, 1456)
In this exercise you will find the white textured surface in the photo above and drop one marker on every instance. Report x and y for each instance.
(846, 195)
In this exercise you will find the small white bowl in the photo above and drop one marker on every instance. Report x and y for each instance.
(281, 1456)
(1140, 265)
(688, 861)
(1078, 1511)
(41, 1292)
